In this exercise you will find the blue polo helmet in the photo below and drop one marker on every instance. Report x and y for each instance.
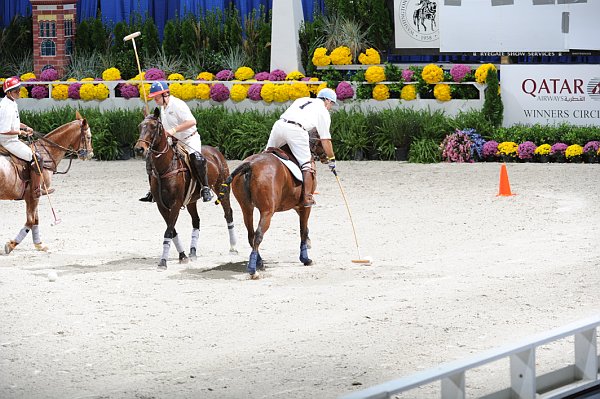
(158, 87)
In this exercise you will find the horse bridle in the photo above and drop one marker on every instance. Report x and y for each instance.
(155, 135)
(82, 152)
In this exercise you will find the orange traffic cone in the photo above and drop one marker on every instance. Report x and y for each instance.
(504, 184)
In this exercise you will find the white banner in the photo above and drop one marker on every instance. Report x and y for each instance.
(416, 23)
(550, 94)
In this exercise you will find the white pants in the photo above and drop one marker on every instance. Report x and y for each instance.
(295, 137)
(16, 147)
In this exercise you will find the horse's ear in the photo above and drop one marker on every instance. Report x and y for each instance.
(78, 115)
(156, 112)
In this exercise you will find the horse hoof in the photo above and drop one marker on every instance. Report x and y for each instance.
(41, 247)
(9, 246)
(193, 255)
(162, 265)
(254, 276)
(307, 262)
(233, 251)
(184, 261)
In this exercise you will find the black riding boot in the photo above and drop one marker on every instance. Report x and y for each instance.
(199, 171)
(148, 197)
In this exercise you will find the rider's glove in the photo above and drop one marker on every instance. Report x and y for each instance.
(331, 164)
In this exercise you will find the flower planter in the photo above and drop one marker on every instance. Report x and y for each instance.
(590, 157)
(545, 158)
(401, 154)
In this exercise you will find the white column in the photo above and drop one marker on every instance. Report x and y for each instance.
(285, 46)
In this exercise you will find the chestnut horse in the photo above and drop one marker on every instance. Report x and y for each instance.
(73, 138)
(173, 186)
(262, 181)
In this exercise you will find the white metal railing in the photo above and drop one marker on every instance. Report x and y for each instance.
(524, 384)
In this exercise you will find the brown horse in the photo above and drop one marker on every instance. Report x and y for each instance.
(262, 181)
(73, 138)
(173, 187)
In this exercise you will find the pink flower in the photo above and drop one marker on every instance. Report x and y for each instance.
(262, 76)
(219, 92)
(39, 91)
(225, 74)
(558, 148)
(459, 71)
(254, 92)
(526, 150)
(407, 75)
(155, 74)
(344, 91)
(277, 75)
(129, 91)
(49, 75)
(74, 91)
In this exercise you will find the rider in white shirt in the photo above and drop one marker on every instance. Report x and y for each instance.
(292, 129)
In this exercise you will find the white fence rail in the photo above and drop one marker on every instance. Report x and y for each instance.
(524, 383)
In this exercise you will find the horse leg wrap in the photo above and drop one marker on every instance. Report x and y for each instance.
(178, 244)
(22, 234)
(252, 262)
(37, 239)
(195, 236)
(304, 254)
(166, 247)
(232, 238)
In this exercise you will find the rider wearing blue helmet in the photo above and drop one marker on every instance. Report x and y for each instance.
(179, 122)
(304, 115)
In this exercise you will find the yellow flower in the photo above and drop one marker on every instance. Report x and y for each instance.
(320, 87)
(24, 92)
(282, 93)
(203, 91)
(369, 57)
(268, 92)
(573, 151)
(144, 90)
(239, 92)
(87, 79)
(508, 148)
(381, 92)
(320, 57)
(206, 76)
(111, 74)
(26, 76)
(432, 74)
(442, 92)
(543, 149)
(298, 90)
(244, 73)
(341, 56)
(175, 76)
(408, 93)
(295, 75)
(375, 74)
(187, 91)
(101, 91)
(312, 88)
(60, 92)
(482, 71)
(176, 90)
(87, 92)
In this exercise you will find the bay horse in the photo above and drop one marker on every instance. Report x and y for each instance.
(173, 186)
(262, 181)
(72, 138)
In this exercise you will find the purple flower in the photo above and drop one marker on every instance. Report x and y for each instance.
(129, 91)
(39, 91)
(459, 71)
(219, 92)
(262, 76)
(558, 148)
(225, 74)
(277, 75)
(155, 74)
(49, 75)
(526, 150)
(344, 91)
(490, 149)
(591, 146)
(74, 91)
(254, 92)
(407, 75)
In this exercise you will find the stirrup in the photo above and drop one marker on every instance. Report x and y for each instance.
(206, 194)
(147, 198)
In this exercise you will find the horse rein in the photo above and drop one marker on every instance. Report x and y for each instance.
(81, 152)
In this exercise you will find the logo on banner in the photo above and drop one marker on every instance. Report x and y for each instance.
(419, 19)
(593, 89)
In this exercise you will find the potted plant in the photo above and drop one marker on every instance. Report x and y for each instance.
(456, 147)
(557, 152)
(490, 151)
(507, 150)
(542, 153)
(590, 151)
(526, 151)
(574, 153)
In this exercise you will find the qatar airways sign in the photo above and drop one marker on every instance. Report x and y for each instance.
(551, 94)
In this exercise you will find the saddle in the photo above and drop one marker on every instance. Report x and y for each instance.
(284, 153)
(21, 166)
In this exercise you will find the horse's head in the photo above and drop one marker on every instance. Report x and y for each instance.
(316, 147)
(150, 132)
(85, 150)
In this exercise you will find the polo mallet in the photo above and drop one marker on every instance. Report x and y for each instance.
(132, 37)
(359, 260)
(56, 219)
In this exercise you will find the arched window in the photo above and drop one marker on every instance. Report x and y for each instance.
(48, 48)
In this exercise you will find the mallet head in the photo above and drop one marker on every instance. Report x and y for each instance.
(132, 35)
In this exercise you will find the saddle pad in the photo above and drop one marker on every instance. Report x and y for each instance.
(292, 167)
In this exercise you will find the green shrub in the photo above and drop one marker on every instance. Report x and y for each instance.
(424, 151)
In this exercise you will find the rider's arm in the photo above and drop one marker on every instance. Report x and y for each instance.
(328, 148)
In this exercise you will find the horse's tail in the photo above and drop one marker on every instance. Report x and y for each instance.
(244, 168)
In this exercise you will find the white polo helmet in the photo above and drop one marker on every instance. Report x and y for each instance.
(328, 94)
